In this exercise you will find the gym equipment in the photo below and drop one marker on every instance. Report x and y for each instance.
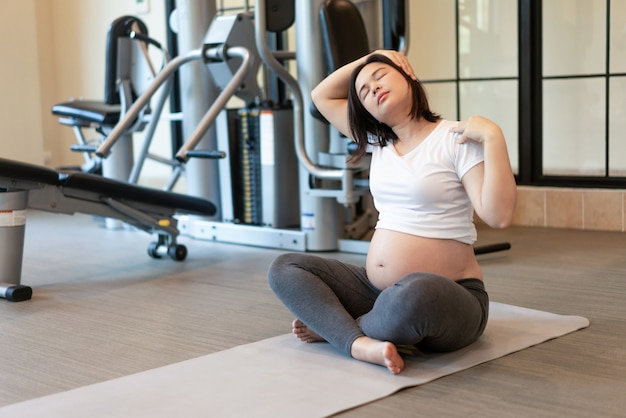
(25, 186)
(229, 52)
(256, 220)
(257, 185)
(313, 199)
(395, 27)
(233, 68)
(128, 72)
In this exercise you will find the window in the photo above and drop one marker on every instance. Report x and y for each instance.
(552, 73)
(465, 53)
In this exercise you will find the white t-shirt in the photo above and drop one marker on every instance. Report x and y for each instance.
(421, 193)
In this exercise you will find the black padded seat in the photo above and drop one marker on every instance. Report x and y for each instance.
(132, 193)
(11, 170)
(89, 111)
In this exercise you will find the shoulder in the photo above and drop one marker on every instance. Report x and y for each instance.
(449, 139)
(442, 139)
(443, 131)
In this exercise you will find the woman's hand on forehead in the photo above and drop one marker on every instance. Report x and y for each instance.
(400, 60)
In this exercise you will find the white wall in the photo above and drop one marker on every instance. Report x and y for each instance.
(20, 88)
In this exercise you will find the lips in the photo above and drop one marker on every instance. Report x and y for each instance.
(382, 97)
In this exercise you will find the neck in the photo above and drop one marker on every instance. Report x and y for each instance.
(413, 132)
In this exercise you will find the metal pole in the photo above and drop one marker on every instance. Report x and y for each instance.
(320, 218)
(197, 93)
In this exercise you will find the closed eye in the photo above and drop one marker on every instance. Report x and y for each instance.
(378, 74)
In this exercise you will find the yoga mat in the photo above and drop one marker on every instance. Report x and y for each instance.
(283, 377)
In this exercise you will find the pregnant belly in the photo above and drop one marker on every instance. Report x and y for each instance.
(392, 255)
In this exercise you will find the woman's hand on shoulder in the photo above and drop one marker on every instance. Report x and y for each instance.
(478, 129)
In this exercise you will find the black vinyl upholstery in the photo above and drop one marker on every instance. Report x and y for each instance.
(14, 172)
(343, 32)
(132, 193)
(344, 37)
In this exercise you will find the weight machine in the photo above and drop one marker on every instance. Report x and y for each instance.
(327, 189)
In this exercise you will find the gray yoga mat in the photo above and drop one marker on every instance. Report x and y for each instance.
(283, 377)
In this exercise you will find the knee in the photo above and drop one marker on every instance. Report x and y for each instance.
(282, 269)
(276, 270)
(284, 262)
(421, 282)
(419, 292)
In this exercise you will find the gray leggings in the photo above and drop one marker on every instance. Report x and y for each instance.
(338, 302)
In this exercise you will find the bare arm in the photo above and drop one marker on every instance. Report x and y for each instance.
(331, 94)
(491, 185)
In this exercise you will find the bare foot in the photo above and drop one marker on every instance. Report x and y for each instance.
(304, 333)
(378, 352)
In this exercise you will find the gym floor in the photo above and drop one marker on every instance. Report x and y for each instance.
(103, 309)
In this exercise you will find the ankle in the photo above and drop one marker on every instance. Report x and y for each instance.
(360, 345)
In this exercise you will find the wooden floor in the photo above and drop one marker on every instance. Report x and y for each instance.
(103, 309)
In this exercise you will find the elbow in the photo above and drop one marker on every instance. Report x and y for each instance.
(502, 223)
(315, 95)
(500, 219)
(502, 214)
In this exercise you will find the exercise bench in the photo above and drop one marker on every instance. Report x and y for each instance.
(26, 186)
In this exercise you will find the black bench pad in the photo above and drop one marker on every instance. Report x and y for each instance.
(16, 170)
(130, 192)
(19, 171)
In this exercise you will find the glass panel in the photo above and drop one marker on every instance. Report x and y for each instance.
(618, 36)
(442, 99)
(573, 127)
(617, 126)
(488, 38)
(498, 101)
(574, 37)
(432, 45)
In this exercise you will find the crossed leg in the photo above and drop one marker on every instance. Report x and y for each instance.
(327, 296)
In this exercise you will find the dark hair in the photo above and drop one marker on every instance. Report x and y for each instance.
(362, 123)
